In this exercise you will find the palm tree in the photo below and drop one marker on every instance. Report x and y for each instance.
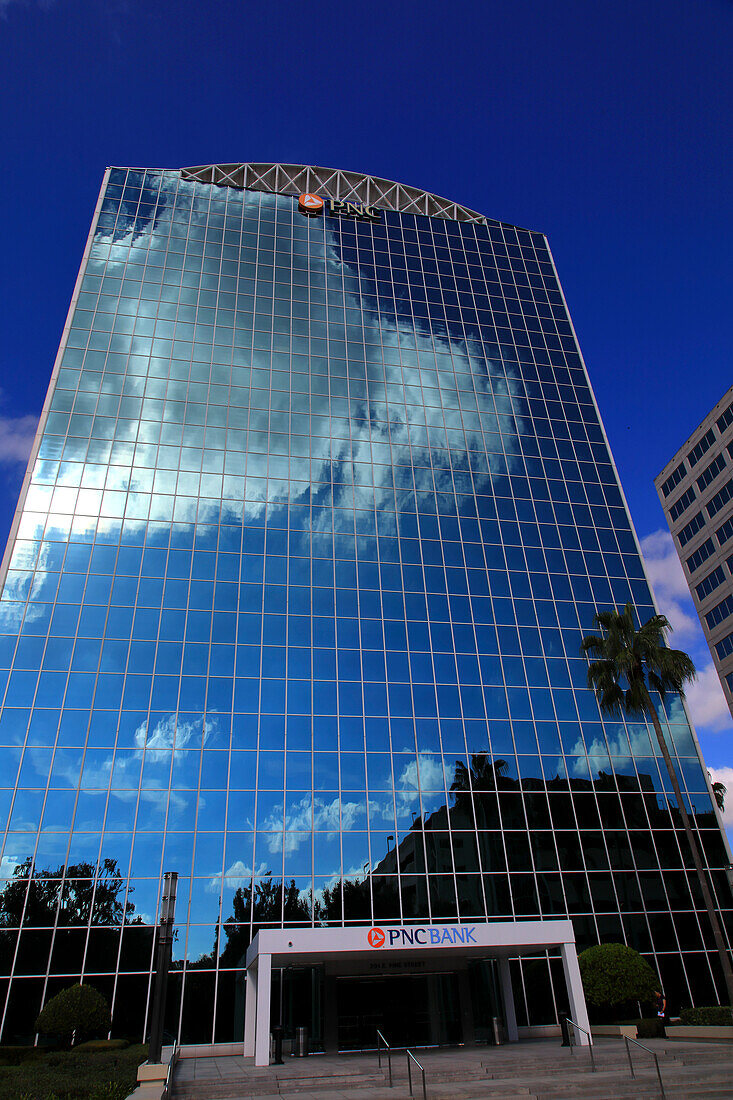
(719, 790)
(628, 664)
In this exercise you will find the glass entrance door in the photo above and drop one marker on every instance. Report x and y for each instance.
(409, 1010)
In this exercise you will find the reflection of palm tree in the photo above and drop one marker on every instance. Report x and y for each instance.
(720, 791)
(483, 777)
(480, 776)
(629, 664)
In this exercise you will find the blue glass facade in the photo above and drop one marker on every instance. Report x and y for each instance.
(319, 511)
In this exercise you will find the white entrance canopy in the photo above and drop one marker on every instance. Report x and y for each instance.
(313, 946)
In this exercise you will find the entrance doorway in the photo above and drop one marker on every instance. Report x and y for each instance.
(426, 1006)
(409, 1010)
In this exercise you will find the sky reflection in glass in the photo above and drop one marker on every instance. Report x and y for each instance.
(320, 512)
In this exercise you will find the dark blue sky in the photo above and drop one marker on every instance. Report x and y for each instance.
(607, 125)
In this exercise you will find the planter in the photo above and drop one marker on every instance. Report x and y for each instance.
(614, 1031)
(697, 1032)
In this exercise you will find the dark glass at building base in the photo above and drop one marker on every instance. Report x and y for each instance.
(318, 514)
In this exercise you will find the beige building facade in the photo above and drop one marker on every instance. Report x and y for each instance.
(696, 492)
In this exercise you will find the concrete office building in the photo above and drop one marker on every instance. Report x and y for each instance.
(696, 491)
(318, 512)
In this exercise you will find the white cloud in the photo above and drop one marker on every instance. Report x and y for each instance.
(305, 815)
(725, 776)
(669, 584)
(170, 731)
(429, 769)
(8, 865)
(236, 875)
(16, 432)
(707, 702)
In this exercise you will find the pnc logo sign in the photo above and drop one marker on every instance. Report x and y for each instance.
(310, 204)
(428, 937)
(313, 204)
(358, 210)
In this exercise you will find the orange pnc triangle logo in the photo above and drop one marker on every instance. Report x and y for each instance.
(310, 204)
(376, 937)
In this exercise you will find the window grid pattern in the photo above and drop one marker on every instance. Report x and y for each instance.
(724, 647)
(691, 529)
(701, 447)
(674, 478)
(709, 474)
(320, 515)
(710, 583)
(725, 419)
(700, 555)
(682, 504)
(720, 499)
(724, 532)
(720, 612)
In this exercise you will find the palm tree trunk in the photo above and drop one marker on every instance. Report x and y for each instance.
(692, 841)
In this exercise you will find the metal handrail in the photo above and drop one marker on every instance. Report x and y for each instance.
(175, 1054)
(388, 1048)
(636, 1043)
(590, 1042)
(410, 1055)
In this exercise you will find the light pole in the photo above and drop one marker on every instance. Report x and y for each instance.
(163, 962)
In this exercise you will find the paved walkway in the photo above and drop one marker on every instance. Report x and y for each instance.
(540, 1069)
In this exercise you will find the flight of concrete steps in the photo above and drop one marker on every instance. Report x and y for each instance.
(529, 1071)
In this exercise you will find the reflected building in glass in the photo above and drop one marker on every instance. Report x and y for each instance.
(319, 510)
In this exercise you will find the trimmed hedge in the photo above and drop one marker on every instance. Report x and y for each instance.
(650, 1029)
(80, 1009)
(97, 1045)
(614, 974)
(713, 1016)
(14, 1055)
(74, 1075)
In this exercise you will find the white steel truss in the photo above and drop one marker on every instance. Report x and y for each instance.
(296, 179)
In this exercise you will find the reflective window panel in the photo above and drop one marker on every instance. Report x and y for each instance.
(319, 512)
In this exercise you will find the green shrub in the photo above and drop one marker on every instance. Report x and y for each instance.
(650, 1029)
(14, 1055)
(80, 1009)
(613, 975)
(74, 1075)
(112, 1090)
(95, 1045)
(713, 1016)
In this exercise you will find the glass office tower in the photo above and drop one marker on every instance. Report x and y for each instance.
(319, 510)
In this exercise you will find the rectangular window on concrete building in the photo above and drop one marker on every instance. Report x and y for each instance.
(719, 613)
(720, 499)
(701, 447)
(700, 555)
(682, 504)
(690, 529)
(710, 583)
(674, 479)
(709, 474)
(725, 419)
(724, 647)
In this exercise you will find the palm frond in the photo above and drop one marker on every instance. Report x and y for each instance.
(627, 664)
